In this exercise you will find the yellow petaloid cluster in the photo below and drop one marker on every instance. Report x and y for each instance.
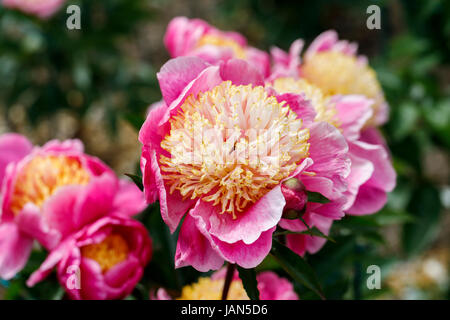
(111, 251)
(325, 110)
(42, 176)
(208, 289)
(337, 73)
(231, 145)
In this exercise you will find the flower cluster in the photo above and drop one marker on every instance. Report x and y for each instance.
(240, 142)
(77, 209)
(244, 143)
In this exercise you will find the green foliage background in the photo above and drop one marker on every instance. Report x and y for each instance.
(110, 64)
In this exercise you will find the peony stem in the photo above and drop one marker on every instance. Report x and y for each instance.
(228, 278)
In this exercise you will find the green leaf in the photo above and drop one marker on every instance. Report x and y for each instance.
(296, 267)
(316, 197)
(136, 179)
(311, 231)
(248, 277)
(425, 206)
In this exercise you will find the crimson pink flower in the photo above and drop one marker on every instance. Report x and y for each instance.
(333, 66)
(195, 37)
(52, 192)
(218, 152)
(104, 260)
(41, 8)
(270, 287)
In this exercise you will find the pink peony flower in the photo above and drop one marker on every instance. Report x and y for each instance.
(270, 286)
(104, 260)
(40, 8)
(195, 37)
(372, 174)
(218, 153)
(334, 67)
(52, 192)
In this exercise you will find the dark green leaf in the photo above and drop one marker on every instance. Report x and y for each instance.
(425, 207)
(311, 231)
(296, 266)
(316, 197)
(248, 277)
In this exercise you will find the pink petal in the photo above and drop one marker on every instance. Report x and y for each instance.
(129, 200)
(249, 225)
(15, 248)
(239, 72)
(353, 111)
(176, 74)
(194, 249)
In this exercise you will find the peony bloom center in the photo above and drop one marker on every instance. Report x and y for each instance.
(218, 41)
(325, 110)
(108, 253)
(336, 73)
(231, 145)
(208, 289)
(42, 176)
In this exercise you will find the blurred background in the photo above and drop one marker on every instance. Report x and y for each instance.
(96, 84)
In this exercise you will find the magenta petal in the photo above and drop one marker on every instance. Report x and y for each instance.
(49, 263)
(173, 207)
(95, 200)
(129, 200)
(248, 226)
(325, 41)
(361, 171)
(59, 210)
(176, 74)
(384, 176)
(74, 146)
(13, 147)
(273, 287)
(300, 105)
(31, 221)
(368, 201)
(239, 72)
(246, 255)
(353, 111)
(15, 248)
(194, 249)
(300, 243)
(328, 149)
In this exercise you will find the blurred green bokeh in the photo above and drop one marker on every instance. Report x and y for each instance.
(96, 84)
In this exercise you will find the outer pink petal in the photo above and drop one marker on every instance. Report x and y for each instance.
(49, 263)
(239, 72)
(352, 112)
(173, 207)
(328, 149)
(369, 200)
(325, 41)
(246, 255)
(258, 59)
(260, 217)
(194, 249)
(31, 222)
(273, 287)
(96, 200)
(300, 243)
(176, 74)
(15, 248)
(129, 199)
(13, 147)
(361, 171)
